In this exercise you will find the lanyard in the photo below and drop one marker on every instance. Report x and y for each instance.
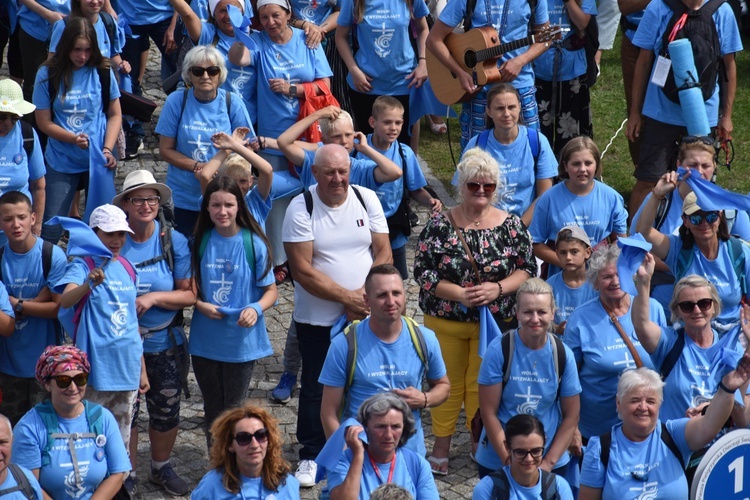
(377, 470)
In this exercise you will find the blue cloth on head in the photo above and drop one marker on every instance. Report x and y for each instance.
(329, 456)
(240, 23)
(632, 251)
(488, 329)
(713, 197)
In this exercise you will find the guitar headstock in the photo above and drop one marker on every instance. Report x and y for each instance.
(549, 34)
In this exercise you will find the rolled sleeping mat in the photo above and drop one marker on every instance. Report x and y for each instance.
(683, 63)
(694, 112)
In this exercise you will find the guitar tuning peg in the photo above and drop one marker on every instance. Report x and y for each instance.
(494, 39)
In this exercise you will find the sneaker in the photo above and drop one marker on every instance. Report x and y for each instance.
(306, 471)
(283, 391)
(131, 485)
(133, 146)
(168, 479)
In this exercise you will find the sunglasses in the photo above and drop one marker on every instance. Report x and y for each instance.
(245, 438)
(151, 200)
(690, 139)
(709, 217)
(473, 187)
(63, 381)
(520, 454)
(9, 116)
(211, 70)
(703, 304)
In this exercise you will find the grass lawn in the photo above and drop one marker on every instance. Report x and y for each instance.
(608, 108)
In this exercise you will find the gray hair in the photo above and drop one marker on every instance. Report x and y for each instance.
(200, 55)
(382, 403)
(535, 286)
(601, 258)
(640, 378)
(693, 281)
(390, 491)
(5, 419)
(477, 163)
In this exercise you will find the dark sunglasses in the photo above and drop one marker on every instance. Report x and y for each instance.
(211, 70)
(703, 304)
(8, 116)
(63, 381)
(520, 454)
(245, 438)
(709, 217)
(690, 139)
(473, 187)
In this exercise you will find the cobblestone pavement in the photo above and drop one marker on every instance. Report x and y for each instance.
(190, 457)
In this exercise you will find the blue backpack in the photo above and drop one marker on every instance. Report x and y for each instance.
(533, 136)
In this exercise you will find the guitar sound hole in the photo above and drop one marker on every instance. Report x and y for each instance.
(470, 58)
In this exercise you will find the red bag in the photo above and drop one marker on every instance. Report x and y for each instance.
(312, 103)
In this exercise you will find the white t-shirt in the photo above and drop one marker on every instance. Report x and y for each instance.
(342, 243)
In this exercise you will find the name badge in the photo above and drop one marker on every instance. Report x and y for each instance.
(661, 71)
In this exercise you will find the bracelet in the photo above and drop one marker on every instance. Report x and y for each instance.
(421, 57)
(653, 192)
(425, 401)
(725, 388)
(195, 167)
(500, 286)
(262, 142)
(105, 149)
(303, 25)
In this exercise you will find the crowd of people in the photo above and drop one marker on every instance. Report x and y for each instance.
(560, 362)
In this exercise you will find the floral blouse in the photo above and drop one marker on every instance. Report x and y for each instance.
(498, 252)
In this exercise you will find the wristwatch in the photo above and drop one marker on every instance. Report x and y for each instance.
(18, 308)
(292, 90)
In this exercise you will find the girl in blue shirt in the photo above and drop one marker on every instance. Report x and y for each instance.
(231, 264)
(74, 117)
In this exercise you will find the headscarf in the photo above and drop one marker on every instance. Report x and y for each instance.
(61, 358)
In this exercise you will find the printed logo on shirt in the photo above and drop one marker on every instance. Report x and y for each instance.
(143, 288)
(530, 404)
(649, 491)
(73, 489)
(239, 78)
(383, 41)
(200, 152)
(21, 324)
(4, 182)
(221, 294)
(388, 371)
(625, 364)
(308, 11)
(701, 394)
(75, 116)
(360, 222)
(119, 319)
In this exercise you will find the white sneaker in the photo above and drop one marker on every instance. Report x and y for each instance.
(306, 471)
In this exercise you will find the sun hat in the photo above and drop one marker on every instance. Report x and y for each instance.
(109, 219)
(690, 205)
(11, 99)
(143, 179)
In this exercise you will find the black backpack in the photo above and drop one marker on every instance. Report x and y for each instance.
(700, 29)
(501, 485)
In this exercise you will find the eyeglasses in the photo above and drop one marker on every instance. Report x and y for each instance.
(151, 200)
(63, 381)
(8, 116)
(211, 70)
(473, 187)
(710, 217)
(703, 304)
(245, 438)
(520, 454)
(708, 141)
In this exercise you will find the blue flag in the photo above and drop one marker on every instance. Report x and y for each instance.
(488, 329)
(83, 241)
(712, 197)
(101, 179)
(633, 250)
(329, 456)
(240, 24)
(422, 101)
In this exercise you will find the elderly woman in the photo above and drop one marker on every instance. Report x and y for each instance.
(681, 354)
(187, 122)
(506, 392)
(524, 443)
(643, 456)
(703, 246)
(23, 166)
(247, 459)
(599, 347)
(71, 445)
(388, 423)
(453, 284)
(163, 258)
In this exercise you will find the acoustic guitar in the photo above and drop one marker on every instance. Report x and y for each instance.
(477, 51)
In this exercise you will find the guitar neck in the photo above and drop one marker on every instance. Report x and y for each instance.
(499, 50)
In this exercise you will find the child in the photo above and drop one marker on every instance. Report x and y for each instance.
(386, 121)
(27, 278)
(570, 287)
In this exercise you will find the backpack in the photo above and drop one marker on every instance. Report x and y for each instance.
(165, 243)
(309, 200)
(399, 222)
(247, 242)
(501, 485)
(22, 483)
(559, 357)
(533, 137)
(699, 27)
(606, 443)
(27, 133)
(736, 255)
(47, 249)
(670, 360)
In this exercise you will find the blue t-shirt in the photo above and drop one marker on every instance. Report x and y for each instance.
(516, 27)
(145, 12)
(517, 170)
(292, 61)
(10, 483)
(258, 207)
(193, 131)
(314, 11)
(108, 328)
(600, 213)
(157, 277)
(531, 389)
(719, 271)
(385, 51)
(24, 279)
(58, 478)
(602, 355)
(212, 488)
(483, 489)
(659, 474)
(107, 47)
(649, 37)
(16, 166)
(418, 482)
(572, 63)
(568, 299)
(242, 80)
(34, 24)
(228, 281)
(382, 367)
(81, 111)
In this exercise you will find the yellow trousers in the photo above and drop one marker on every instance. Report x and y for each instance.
(459, 343)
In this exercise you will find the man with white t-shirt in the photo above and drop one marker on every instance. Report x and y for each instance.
(332, 235)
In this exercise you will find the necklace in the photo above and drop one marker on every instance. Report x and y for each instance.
(476, 222)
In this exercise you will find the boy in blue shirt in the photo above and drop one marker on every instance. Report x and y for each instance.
(28, 296)
(570, 287)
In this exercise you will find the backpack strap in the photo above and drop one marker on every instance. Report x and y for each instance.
(47, 250)
(185, 92)
(27, 133)
(666, 437)
(533, 136)
(417, 338)
(662, 210)
(309, 199)
(110, 26)
(508, 345)
(737, 256)
(711, 7)
(165, 244)
(559, 358)
(673, 355)
(500, 485)
(81, 303)
(482, 139)
(359, 197)
(549, 485)
(105, 78)
(470, 6)
(128, 268)
(684, 260)
(22, 483)
(249, 246)
(605, 442)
